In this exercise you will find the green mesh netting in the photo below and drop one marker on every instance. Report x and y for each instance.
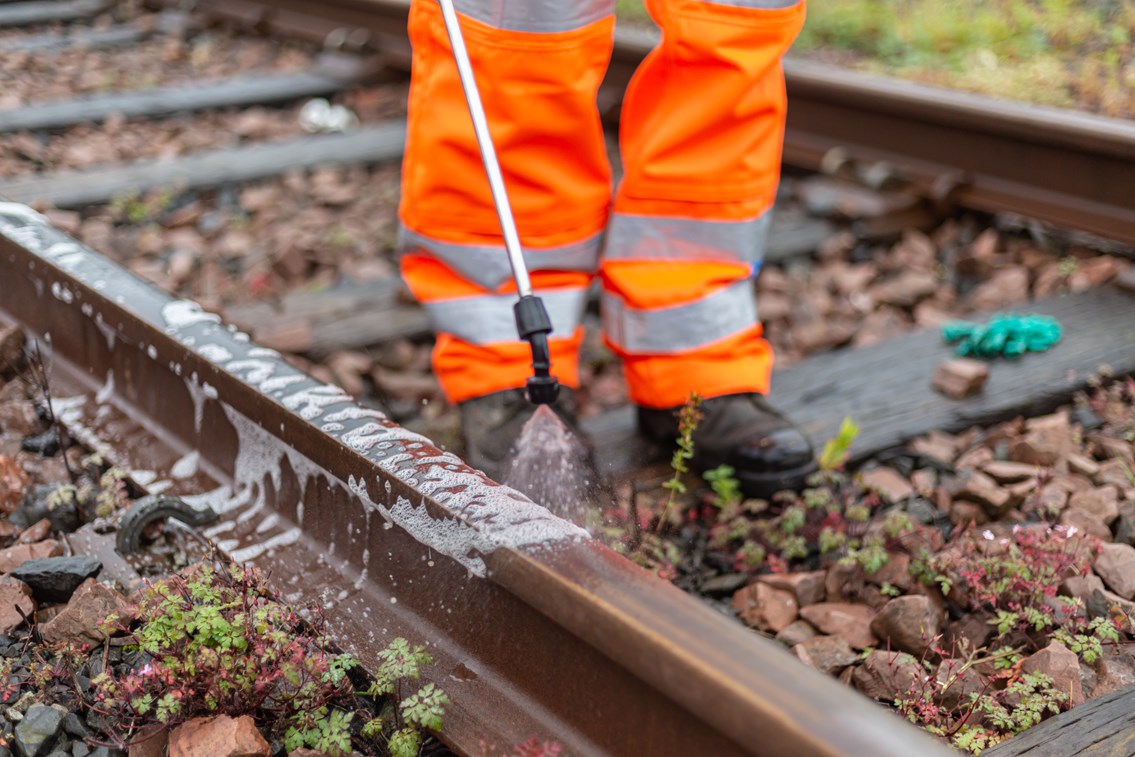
(1006, 335)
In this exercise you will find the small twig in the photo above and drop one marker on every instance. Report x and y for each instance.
(35, 637)
(39, 372)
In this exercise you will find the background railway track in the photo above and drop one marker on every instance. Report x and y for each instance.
(538, 631)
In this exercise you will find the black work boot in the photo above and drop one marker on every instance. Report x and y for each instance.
(490, 426)
(768, 453)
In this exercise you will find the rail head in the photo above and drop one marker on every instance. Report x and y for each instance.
(537, 629)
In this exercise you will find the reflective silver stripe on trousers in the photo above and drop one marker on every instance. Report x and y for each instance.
(762, 4)
(488, 319)
(487, 265)
(537, 15)
(681, 328)
(662, 238)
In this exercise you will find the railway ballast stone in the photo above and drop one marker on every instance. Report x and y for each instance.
(1125, 524)
(764, 607)
(1101, 501)
(1081, 587)
(37, 731)
(80, 621)
(221, 736)
(15, 597)
(1062, 665)
(889, 483)
(887, 675)
(1008, 286)
(13, 557)
(1115, 671)
(1047, 441)
(828, 654)
(12, 353)
(896, 572)
(55, 579)
(1008, 472)
(796, 632)
(1126, 279)
(1116, 566)
(850, 621)
(908, 623)
(807, 587)
(1086, 522)
(13, 483)
(959, 378)
(957, 682)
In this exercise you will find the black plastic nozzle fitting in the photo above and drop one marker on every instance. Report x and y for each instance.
(534, 325)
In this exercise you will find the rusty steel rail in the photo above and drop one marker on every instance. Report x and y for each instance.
(1071, 169)
(537, 629)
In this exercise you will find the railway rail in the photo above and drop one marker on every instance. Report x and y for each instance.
(537, 629)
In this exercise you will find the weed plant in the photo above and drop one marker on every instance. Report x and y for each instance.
(218, 641)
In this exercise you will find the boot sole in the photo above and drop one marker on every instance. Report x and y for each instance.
(764, 485)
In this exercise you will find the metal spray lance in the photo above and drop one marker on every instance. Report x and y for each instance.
(532, 322)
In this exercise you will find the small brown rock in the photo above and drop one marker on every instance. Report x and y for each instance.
(807, 587)
(850, 621)
(980, 488)
(1115, 671)
(150, 742)
(1125, 524)
(1081, 587)
(221, 736)
(1111, 448)
(1126, 279)
(972, 629)
(1083, 465)
(90, 605)
(14, 483)
(937, 445)
(908, 623)
(887, 675)
(906, 289)
(15, 556)
(37, 531)
(1046, 441)
(1116, 566)
(975, 457)
(764, 607)
(1005, 287)
(1061, 665)
(956, 682)
(1102, 502)
(1008, 472)
(1050, 501)
(12, 355)
(796, 632)
(14, 594)
(1086, 522)
(1114, 472)
(963, 513)
(844, 580)
(896, 572)
(889, 483)
(829, 654)
(959, 378)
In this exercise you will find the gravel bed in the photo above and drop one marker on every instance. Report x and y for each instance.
(120, 141)
(27, 77)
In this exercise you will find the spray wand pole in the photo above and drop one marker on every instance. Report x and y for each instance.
(532, 321)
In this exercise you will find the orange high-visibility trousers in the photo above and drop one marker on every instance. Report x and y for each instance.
(702, 129)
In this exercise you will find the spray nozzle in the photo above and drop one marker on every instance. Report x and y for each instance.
(534, 325)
